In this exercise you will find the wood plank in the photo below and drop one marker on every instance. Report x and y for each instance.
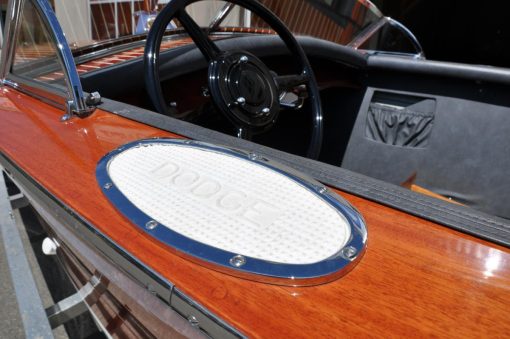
(416, 278)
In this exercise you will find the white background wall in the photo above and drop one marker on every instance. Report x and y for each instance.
(203, 12)
(74, 16)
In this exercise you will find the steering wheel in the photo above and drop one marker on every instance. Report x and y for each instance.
(240, 84)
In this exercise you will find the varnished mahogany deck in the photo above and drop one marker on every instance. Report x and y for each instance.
(416, 278)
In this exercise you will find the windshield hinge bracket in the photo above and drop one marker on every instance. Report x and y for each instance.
(91, 101)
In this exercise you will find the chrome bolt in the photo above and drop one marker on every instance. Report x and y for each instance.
(108, 185)
(150, 225)
(93, 99)
(65, 117)
(151, 289)
(349, 252)
(322, 189)
(266, 110)
(193, 321)
(173, 104)
(241, 100)
(237, 261)
(243, 59)
(253, 156)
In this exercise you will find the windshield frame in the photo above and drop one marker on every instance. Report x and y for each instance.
(366, 7)
(70, 97)
(72, 100)
(374, 28)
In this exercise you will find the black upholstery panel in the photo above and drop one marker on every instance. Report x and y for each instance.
(467, 155)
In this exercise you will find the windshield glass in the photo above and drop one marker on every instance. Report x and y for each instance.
(88, 22)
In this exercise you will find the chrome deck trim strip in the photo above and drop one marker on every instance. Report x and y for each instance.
(251, 268)
(84, 230)
(199, 316)
(53, 95)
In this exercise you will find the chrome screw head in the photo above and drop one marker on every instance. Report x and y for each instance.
(108, 185)
(243, 59)
(253, 156)
(349, 252)
(241, 100)
(151, 289)
(93, 99)
(237, 261)
(151, 224)
(266, 111)
(322, 189)
(65, 117)
(193, 321)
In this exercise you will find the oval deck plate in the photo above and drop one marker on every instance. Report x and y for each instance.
(234, 211)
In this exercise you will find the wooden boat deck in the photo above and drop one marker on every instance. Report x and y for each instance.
(417, 278)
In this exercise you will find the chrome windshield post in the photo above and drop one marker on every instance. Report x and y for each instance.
(74, 98)
(10, 28)
(76, 103)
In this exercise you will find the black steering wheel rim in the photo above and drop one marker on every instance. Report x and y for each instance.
(175, 9)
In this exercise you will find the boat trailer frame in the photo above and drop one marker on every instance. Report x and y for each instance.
(37, 321)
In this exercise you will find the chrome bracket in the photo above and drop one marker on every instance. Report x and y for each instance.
(76, 304)
(89, 105)
(291, 100)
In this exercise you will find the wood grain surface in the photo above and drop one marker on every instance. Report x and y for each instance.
(417, 279)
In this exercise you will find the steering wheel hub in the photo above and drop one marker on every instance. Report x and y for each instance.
(243, 86)
(250, 85)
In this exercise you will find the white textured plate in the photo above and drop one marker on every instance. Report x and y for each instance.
(227, 201)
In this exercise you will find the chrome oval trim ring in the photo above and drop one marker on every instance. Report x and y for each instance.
(246, 267)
